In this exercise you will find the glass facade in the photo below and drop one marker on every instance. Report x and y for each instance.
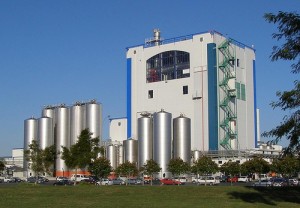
(167, 66)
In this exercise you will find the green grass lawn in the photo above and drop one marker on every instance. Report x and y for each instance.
(27, 195)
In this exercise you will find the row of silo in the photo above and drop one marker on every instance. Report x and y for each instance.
(61, 125)
(155, 139)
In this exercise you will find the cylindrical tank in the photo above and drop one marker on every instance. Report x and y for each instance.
(77, 118)
(62, 134)
(45, 132)
(145, 139)
(120, 155)
(162, 131)
(94, 119)
(49, 111)
(182, 138)
(30, 134)
(111, 155)
(196, 155)
(130, 150)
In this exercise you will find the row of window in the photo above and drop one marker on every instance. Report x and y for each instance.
(240, 91)
(185, 91)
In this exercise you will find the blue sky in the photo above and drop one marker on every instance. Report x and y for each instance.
(62, 51)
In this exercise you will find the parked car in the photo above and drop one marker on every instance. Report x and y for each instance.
(265, 183)
(279, 181)
(209, 180)
(17, 179)
(168, 181)
(63, 182)
(118, 181)
(61, 178)
(78, 177)
(90, 179)
(243, 179)
(233, 179)
(183, 180)
(44, 178)
(8, 180)
(34, 179)
(133, 181)
(105, 182)
(293, 182)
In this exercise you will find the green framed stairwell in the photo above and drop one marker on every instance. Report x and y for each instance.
(227, 94)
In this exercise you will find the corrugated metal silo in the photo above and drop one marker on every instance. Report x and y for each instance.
(77, 120)
(45, 132)
(162, 131)
(182, 138)
(111, 155)
(30, 134)
(62, 134)
(145, 139)
(130, 150)
(94, 119)
(120, 155)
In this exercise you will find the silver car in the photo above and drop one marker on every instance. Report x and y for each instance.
(264, 183)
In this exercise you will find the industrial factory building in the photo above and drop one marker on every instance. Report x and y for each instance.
(190, 93)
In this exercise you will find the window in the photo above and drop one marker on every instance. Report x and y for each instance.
(185, 90)
(220, 162)
(150, 94)
(243, 92)
(238, 90)
(238, 62)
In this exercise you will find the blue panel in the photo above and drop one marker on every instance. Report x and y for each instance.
(128, 97)
(255, 116)
(212, 96)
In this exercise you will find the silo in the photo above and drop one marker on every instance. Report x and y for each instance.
(196, 155)
(120, 155)
(77, 120)
(182, 138)
(30, 134)
(49, 111)
(145, 139)
(94, 119)
(45, 132)
(111, 155)
(62, 135)
(130, 150)
(162, 140)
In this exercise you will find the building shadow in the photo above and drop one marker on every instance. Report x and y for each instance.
(268, 195)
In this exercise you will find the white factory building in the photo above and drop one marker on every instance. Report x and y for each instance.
(206, 77)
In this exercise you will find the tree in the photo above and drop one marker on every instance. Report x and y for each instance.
(49, 156)
(231, 168)
(2, 166)
(177, 166)
(288, 166)
(204, 166)
(129, 169)
(289, 31)
(151, 167)
(82, 153)
(256, 165)
(100, 167)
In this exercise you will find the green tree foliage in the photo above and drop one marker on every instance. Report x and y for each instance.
(256, 165)
(287, 166)
(231, 168)
(204, 166)
(2, 166)
(100, 167)
(128, 169)
(177, 166)
(288, 25)
(40, 160)
(151, 167)
(82, 153)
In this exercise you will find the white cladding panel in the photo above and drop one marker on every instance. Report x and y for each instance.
(118, 129)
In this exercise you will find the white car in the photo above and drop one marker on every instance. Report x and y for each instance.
(208, 180)
(105, 182)
(61, 178)
(8, 180)
(79, 177)
(183, 180)
(243, 179)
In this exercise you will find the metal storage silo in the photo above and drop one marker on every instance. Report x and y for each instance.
(45, 132)
(145, 139)
(120, 155)
(162, 140)
(130, 150)
(30, 134)
(77, 120)
(94, 119)
(111, 155)
(182, 138)
(196, 155)
(62, 135)
(49, 111)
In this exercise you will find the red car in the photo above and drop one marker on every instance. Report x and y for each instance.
(168, 181)
(233, 179)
